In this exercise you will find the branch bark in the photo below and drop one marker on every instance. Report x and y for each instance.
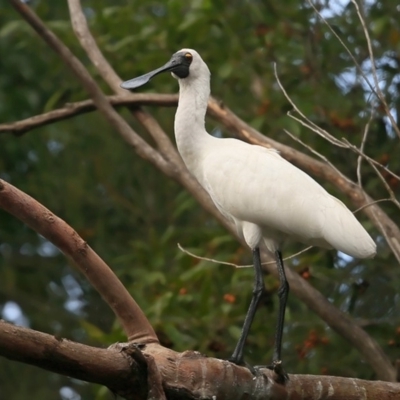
(109, 368)
(71, 110)
(125, 369)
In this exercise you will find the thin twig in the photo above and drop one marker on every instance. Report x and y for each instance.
(379, 93)
(212, 260)
(371, 204)
(364, 139)
(376, 92)
(319, 155)
(371, 160)
(388, 188)
(334, 33)
(315, 128)
(383, 180)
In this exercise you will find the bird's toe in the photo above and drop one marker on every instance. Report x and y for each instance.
(281, 376)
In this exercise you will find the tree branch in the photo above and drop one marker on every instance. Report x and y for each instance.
(109, 368)
(71, 110)
(375, 90)
(189, 375)
(378, 90)
(25, 208)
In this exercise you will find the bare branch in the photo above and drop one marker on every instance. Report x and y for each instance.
(319, 155)
(103, 279)
(124, 368)
(370, 204)
(214, 261)
(306, 122)
(383, 180)
(378, 90)
(81, 29)
(110, 368)
(72, 109)
(334, 33)
(364, 139)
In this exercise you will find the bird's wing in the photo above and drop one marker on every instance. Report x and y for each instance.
(255, 184)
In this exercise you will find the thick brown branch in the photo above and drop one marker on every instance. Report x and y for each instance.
(72, 109)
(109, 368)
(187, 375)
(57, 231)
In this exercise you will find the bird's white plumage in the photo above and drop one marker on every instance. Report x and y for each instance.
(268, 198)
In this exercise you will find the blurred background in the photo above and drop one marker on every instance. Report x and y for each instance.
(133, 216)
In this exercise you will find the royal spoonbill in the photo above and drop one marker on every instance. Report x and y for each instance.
(268, 199)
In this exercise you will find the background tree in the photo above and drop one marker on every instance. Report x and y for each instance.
(133, 215)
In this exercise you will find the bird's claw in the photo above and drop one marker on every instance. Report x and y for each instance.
(281, 376)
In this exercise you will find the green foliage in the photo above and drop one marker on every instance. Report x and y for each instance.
(134, 217)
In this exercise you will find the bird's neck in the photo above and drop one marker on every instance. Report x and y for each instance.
(190, 132)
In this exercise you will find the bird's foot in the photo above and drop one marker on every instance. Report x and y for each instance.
(281, 376)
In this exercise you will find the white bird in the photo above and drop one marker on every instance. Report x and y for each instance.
(268, 199)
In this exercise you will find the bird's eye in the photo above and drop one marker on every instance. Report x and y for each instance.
(189, 57)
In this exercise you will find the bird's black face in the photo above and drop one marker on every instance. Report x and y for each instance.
(178, 64)
(181, 62)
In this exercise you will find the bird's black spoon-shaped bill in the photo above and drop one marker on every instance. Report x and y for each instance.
(178, 64)
(143, 79)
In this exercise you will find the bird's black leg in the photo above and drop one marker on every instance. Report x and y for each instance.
(283, 293)
(258, 290)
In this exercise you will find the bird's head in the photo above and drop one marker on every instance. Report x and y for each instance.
(185, 65)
